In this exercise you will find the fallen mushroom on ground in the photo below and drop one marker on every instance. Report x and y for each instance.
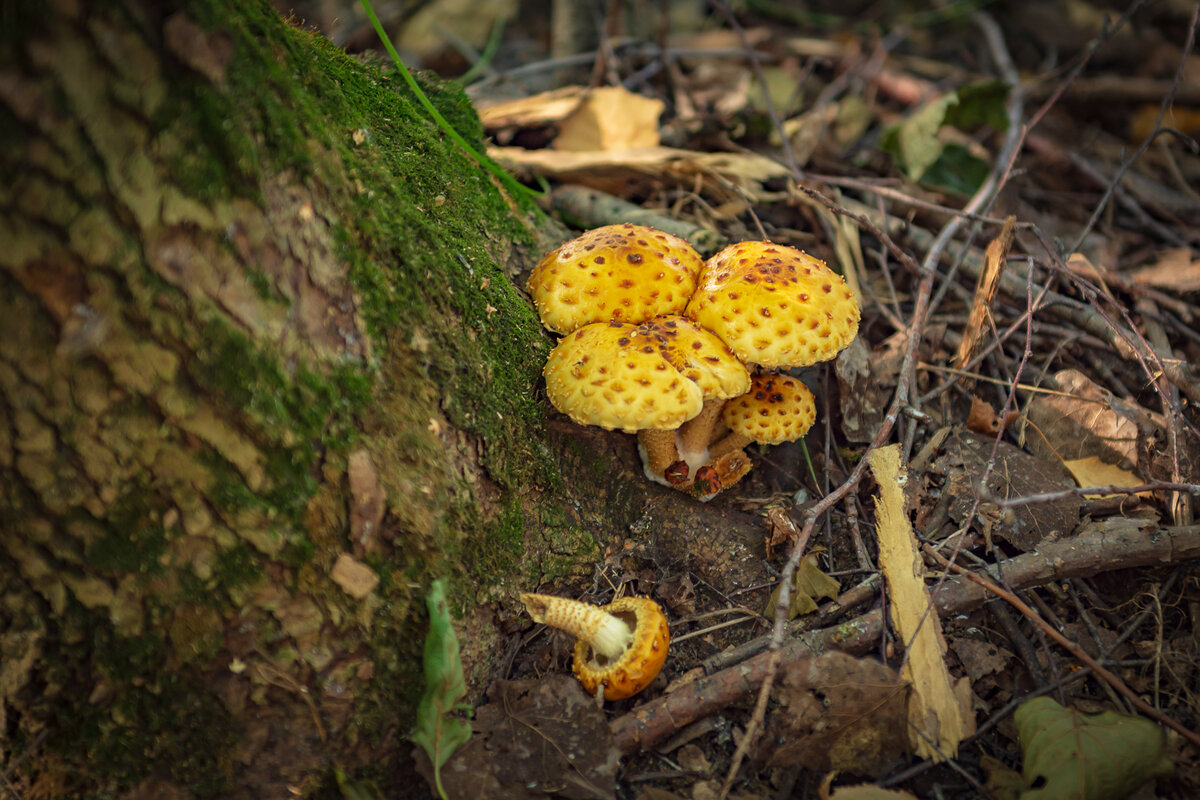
(619, 649)
(659, 342)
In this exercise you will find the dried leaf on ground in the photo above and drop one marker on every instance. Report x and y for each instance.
(1100, 757)
(536, 737)
(982, 418)
(723, 176)
(979, 658)
(963, 462)
(1175, 270)
(838, 712)
(534, 111)
(808, 585)
(1092, 471)
(935, 711)
(611, 118)
(1080, 422)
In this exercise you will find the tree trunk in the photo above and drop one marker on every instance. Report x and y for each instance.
(264, 374)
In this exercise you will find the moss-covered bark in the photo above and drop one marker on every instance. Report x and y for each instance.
(236, 261)
(263, 376)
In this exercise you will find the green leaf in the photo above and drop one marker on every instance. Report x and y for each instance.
(808, 584)
(1086, 757)
(957, 170)
(915, 140)
(438, 733)
(922, 154)
(978, 105)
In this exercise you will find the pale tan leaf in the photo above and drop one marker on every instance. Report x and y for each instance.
(611, 118)
(1080, 422)
(533, 111)
(1176, 270)
(1091, 471)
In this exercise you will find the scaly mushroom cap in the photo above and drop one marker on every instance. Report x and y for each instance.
(700, 355)
(641, 662)
(774, 305)
(777, 409)
(628, 273)
(611, 375)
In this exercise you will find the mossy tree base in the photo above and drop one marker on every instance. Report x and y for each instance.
(235, 261)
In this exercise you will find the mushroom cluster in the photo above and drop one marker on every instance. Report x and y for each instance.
(686, 353)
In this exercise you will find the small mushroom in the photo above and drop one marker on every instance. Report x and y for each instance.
(778, 408)
(619, 648)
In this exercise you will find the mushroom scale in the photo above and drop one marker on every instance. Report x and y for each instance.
(775, 306)
(627, 273)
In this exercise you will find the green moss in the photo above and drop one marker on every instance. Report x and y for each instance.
(134, 540)
(154, 719)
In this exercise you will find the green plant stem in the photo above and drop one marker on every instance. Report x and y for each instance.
(483, 160)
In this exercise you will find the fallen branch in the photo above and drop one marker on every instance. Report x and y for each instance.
(1120, 544)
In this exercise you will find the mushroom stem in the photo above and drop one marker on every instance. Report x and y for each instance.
(608, 636)
(693, 436)
(659, 449)
(732, 441)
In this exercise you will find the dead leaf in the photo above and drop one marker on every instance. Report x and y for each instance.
(869, 792)
(979, 658)
(1091, 471)
(611, 118)
(722, 176)
(534, 111)
(934, 709)
(1175, 270)
(837, 712)
(985, 290)
(808, 585)
(963, 463)
(866, 378)
(982, 418)
(1080, 422)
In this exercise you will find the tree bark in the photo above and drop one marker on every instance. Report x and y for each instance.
(264, 374)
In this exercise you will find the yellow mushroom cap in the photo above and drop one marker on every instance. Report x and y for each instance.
(777, 409)
(700, 355)
(637, 667)
(628, 273)
(613, 376)
(774, 305)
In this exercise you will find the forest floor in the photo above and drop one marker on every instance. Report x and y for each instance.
(1011, 190)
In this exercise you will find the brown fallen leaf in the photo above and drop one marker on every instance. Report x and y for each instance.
(979, 658)
(1080, 422)
(837, 712)
(962, 463)
(1175, 270)
(982, 418)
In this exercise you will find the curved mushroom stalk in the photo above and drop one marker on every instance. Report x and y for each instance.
(693, 436)
(657, 449)
(619, 648)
